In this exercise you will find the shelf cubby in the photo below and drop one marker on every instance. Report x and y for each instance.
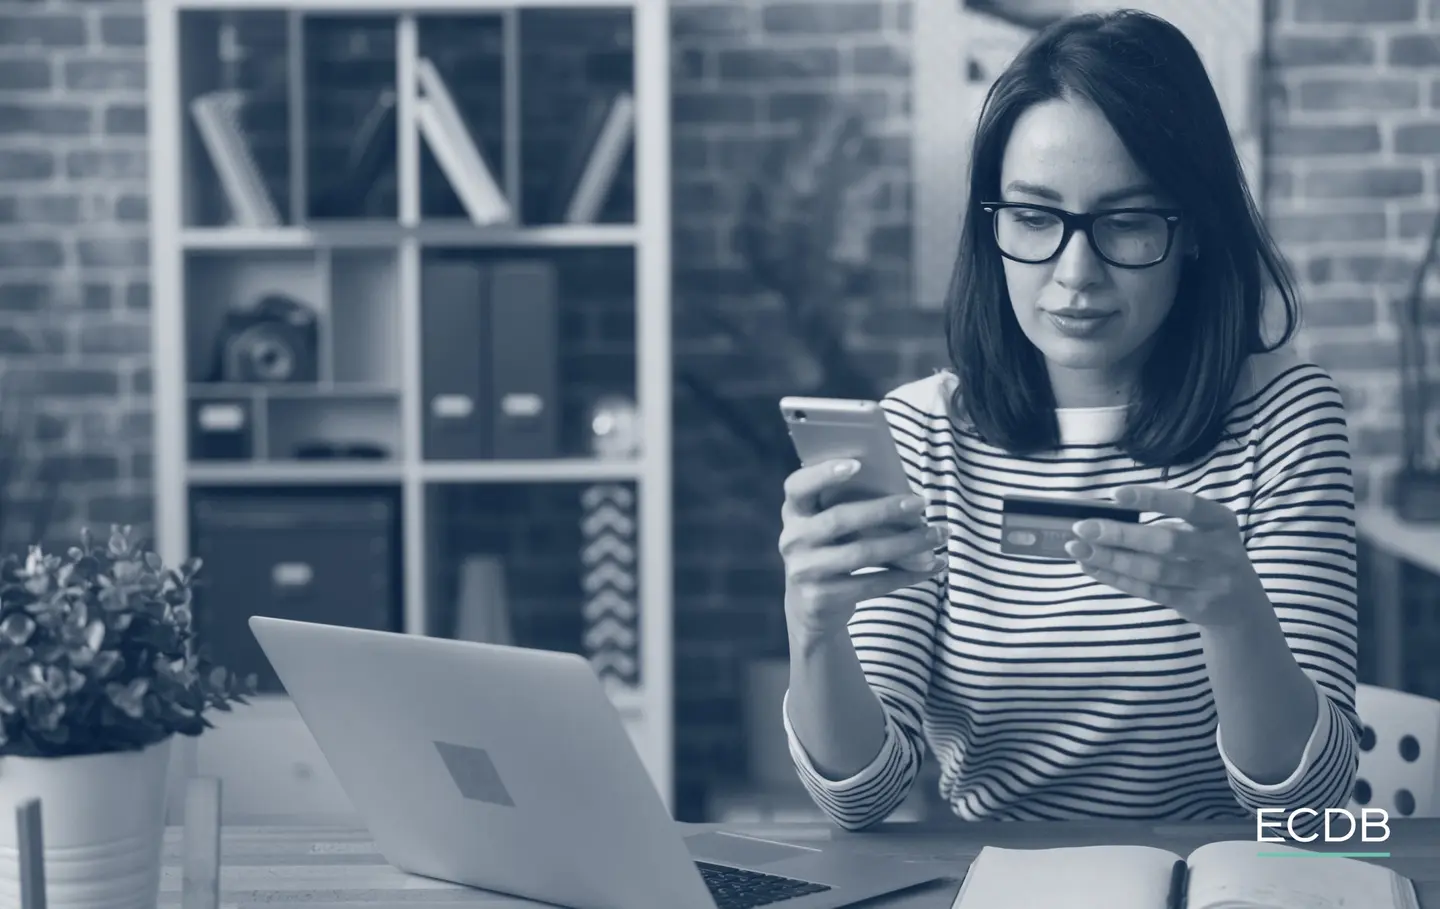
(575, 70)
(552, 329)
(333, 427)
(464, 117)
(553, 566)
(220, 286)
(237, 118)
(349, 150)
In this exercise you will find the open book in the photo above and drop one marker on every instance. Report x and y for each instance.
(1225, 875)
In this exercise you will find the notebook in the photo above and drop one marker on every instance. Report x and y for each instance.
(1223, 875)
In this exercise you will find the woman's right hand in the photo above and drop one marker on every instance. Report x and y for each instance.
(823, 547)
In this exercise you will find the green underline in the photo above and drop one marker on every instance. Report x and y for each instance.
(1324, 854)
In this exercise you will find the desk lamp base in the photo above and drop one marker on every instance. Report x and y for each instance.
(1417, 495)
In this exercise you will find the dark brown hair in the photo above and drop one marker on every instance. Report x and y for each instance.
(1144, 75)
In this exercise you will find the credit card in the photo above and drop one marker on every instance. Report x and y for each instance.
(1040, 526)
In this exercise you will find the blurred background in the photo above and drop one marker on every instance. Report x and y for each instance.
(474, 324)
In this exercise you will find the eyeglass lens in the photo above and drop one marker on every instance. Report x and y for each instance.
(1129, 238)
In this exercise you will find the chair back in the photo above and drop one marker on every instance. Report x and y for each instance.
(1399, 753)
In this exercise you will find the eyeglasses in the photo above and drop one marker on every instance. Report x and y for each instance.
(1123, 237)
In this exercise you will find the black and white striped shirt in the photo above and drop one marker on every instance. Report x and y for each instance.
(1045, 695)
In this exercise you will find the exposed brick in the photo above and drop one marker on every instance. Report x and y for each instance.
(714, 109)
(40, 208)
(826, 17)
(699, 21)
(880, 60)
(114, 338)
(1329, 227)
(126, 120)
(1358, 354)
(60, 30)
(137, 295)
(111, 252)
(107, 164)
(122, 30)
(1368, 441)
(1315, 141)
(1351, 11)
(1414, 224)
(769, 65)
(1414, 51)
(30, 253)
(1358, 93)
(1340, 312)
(97, 297)
(132, 209)
(76, 382)
(1418, 139)
(1294, 51)
(88, 468)
(17, 341)
(26, 164)
(117, 509)
(23, 296)
(24, 74)
(1359, 269)
(136, 428)
(105, 75)
(1365, 182)
(44, 118)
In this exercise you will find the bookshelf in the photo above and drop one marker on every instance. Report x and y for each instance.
(316, 164)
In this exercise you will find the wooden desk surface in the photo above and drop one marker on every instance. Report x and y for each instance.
(334, 867)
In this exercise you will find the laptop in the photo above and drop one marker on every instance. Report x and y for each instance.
(509, 769)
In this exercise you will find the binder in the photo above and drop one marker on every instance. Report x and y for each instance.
(523, 336)
(453, 374)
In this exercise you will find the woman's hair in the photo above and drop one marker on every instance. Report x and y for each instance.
(1144, 75)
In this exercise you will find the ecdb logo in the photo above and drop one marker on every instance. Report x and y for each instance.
(1370, 818)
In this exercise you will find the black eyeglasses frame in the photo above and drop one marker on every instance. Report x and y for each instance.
(1083, 221)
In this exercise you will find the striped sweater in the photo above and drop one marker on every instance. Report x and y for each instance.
(1044, 695)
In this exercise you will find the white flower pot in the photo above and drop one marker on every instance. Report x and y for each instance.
(103, 819)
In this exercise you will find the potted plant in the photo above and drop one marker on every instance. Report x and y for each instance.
(99, 670)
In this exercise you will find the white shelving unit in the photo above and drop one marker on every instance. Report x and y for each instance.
(266, 758)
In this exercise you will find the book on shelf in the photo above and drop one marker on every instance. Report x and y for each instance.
(217, 119)
(1235, 874)
(360, 178)
(459, 156)
(606, 134)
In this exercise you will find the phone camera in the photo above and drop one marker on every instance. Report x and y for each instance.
(798, 416)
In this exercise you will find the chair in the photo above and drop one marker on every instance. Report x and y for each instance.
(1399, 753)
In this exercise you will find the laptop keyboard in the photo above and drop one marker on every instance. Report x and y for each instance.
(740, 888)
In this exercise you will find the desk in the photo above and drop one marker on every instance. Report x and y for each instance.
(1393, 543)
(333, 867)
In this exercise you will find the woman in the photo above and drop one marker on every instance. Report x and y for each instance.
(1199, 665)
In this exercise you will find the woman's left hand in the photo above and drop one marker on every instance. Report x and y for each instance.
(1199, 568)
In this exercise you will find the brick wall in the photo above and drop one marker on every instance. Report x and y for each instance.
(1355, 123)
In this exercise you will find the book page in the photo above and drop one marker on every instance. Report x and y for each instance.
(1079, 877)
(1234, 875)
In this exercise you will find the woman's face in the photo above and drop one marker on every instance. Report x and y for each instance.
(1084, 314)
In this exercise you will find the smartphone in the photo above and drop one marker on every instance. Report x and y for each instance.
(823, 429)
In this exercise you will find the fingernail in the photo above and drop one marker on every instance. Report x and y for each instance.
(1080, 551)
(845, 468)
(1087, 529)
(911, 504)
